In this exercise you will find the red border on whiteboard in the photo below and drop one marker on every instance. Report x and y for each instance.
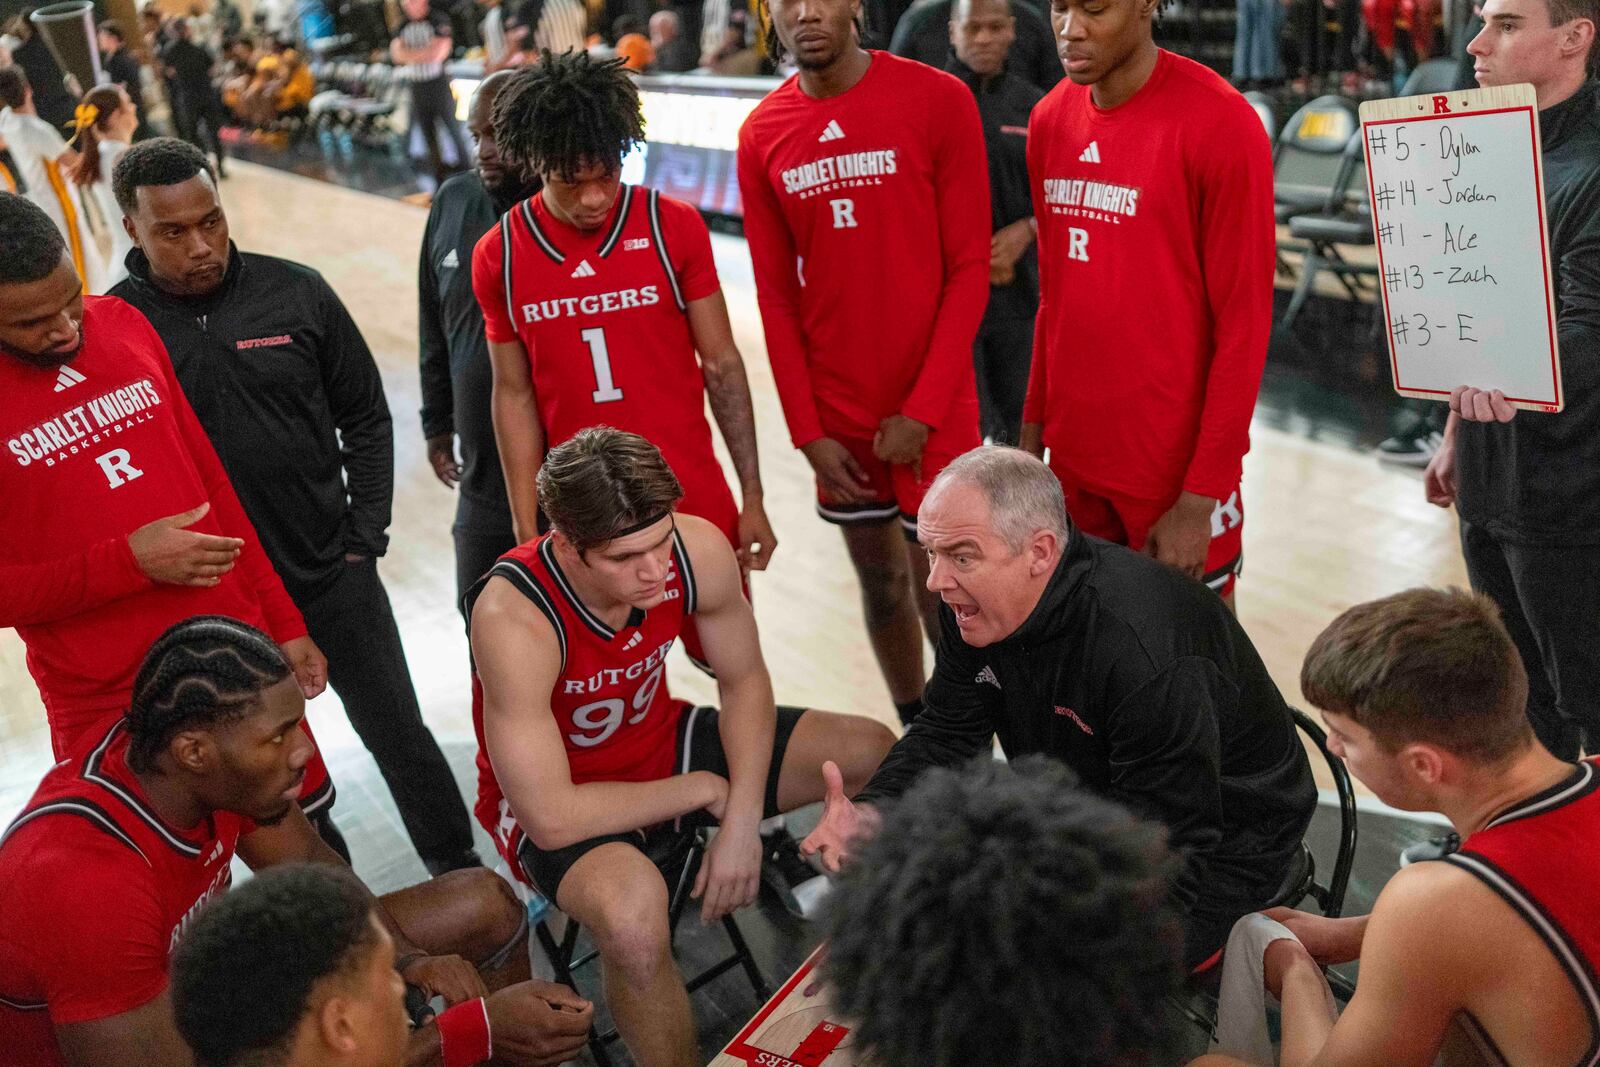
(738, 1047)
(1544, 258)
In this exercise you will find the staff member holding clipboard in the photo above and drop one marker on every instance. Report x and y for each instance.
(1527, 489)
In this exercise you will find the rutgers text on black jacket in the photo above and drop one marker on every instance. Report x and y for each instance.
(1141, 681)
(288, 392)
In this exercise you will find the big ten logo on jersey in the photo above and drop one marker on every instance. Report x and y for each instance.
(80, 429)
(595, 722)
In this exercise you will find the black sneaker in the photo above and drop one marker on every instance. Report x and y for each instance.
(1435, 848)
(461, 861)
(1414, 449)
(796, 884)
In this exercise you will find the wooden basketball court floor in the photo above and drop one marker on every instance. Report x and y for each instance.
(1326, 527)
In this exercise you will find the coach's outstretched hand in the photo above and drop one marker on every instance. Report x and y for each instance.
(843, 823)
(170, 553)
(538, 1024)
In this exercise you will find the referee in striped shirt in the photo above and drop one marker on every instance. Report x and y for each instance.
(420, 49)
(554, 25)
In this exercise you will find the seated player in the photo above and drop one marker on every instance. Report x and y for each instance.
(293, 968)
(1495, 948)
(126, 840)
(1133, 675)
(587, 762)
(1063, 897)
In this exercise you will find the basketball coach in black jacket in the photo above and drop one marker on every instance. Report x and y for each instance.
(1134, 675)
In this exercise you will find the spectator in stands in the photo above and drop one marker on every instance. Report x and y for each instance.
(420, 49)
(734, 55)
(43, 164)
(552, 25)
(194, 99)
(981, 35)
(295, 964)
(1423, 694)
(109, 119)
(1146, 161)
(238, 74)
(123, 69)
(303, 429)
(125, 841)
(498, 48)
(1258, 41)
(1064, 897)
(674, 52)
(94, 564)
(457, 380)
(923, 34)
(1136, 678)
(633, 46)
(1527, 486)
(282, 86)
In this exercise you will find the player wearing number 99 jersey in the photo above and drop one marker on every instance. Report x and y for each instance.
(597, 295)
(589, 770)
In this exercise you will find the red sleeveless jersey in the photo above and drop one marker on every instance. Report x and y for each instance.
(1540, 857)
(95, 892)
(603, 317)
(617, 720)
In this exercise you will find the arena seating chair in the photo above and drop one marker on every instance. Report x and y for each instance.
(1309, 154)
(1344, 221)
(1431, 76)
(1198, 1000)
(1266, 111)
(682, 853)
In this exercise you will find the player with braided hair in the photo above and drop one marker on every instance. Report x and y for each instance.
(123, 844)
(596, 298)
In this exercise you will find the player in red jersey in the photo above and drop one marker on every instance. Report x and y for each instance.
(1152, 187)
(1492, 951)
(101, 446)
(596, 297)
(124, 843)
(866, 204)
(585, 759)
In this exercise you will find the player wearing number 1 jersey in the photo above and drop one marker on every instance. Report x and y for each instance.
(866, 202)
(596, 297)
(589, 770)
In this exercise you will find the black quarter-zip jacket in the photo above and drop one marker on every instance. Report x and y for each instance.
(288, 392)
(1142, 682)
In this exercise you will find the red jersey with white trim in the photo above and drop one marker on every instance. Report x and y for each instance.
(96, 890)
(1156, 246)
(93, 450)
(868, 220)
(1539, 856)
(603, 318)
(617, 719)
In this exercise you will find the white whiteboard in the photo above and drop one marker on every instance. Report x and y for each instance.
(1457, 191)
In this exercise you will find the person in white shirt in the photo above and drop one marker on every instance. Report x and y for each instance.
(106, 135)
(43, 161)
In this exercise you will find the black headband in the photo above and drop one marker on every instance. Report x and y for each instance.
(636, 527)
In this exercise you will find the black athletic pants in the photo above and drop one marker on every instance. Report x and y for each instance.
(1547, 595)
(477, 547)
(353, 624)
(1001, 355)
(432, 106)
(194, 109)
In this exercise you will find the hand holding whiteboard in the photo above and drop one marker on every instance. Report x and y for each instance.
(1457, 188)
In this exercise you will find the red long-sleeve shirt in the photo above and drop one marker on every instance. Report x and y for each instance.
(93, 451)
(1156, 243)
(868, 220)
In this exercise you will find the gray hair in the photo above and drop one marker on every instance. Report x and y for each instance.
(1023, 494)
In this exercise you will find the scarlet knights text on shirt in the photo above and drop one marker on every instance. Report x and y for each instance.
(868, 218)
(95, 449)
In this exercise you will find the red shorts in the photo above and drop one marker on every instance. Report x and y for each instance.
(1127, 521)
(895, 489)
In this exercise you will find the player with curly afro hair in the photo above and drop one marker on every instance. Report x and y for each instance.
(569, 115)
(1003, 917)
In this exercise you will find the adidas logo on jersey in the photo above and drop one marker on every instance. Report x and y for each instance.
(987, 675)
(832, 133)
(450, 261)
(584, 270)
(634, 640)
(67, 379)
(1091, 154)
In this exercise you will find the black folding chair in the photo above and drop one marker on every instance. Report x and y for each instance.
(1345, 221)
(566, 959)
(1307, 159)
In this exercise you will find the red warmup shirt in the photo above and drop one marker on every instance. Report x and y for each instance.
(603, 317)
(868, 220)
(1156, 255)
(93, 451)
(95, 893)
(610, 702)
